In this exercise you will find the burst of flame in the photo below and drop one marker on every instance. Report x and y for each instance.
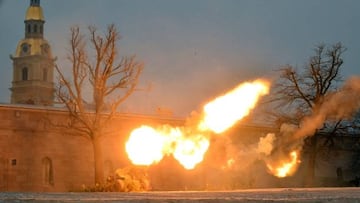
(147, 145)
(285, 167)
(190, 152)
(224, 111)
(145, 150)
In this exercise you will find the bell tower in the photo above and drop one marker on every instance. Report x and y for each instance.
(33, 64)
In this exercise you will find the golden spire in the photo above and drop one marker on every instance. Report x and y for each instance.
(34, 12)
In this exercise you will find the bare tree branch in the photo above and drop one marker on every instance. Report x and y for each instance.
(111, 79)
(305, 90)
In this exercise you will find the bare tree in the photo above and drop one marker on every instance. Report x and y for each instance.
(302, 91)
(112, 79)
(299, 93)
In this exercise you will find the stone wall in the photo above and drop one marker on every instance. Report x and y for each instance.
(36, 156)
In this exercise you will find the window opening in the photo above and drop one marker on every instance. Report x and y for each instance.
(25, 73)
(48, 174)
(45, 73)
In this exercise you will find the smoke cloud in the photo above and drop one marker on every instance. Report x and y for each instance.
(341, 104)
(338, 105)
(265, 145)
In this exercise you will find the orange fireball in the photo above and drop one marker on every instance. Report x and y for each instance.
(190, 151)
(285, 167)
(147, 145)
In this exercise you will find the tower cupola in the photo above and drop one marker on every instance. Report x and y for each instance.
(34, 20)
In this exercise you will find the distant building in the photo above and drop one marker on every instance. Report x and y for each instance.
(33, 64)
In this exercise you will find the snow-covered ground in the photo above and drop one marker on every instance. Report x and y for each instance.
(257, 195)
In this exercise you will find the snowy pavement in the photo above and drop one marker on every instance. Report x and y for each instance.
(254, 195)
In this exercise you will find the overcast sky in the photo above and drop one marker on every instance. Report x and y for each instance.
(194, 49)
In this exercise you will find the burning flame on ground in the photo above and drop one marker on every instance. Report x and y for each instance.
(285, 167)
(147, 145)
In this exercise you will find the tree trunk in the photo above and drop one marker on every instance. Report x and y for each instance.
(310, 172)
(98, 161)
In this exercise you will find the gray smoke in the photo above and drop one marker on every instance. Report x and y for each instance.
(341, 104)
(266, 144)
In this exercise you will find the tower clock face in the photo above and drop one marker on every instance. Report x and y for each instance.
(25, 48)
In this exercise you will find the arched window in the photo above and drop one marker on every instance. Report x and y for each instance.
(35, 28)
(45, 73)
(48, 173)
(24, 73)
(29, 28)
